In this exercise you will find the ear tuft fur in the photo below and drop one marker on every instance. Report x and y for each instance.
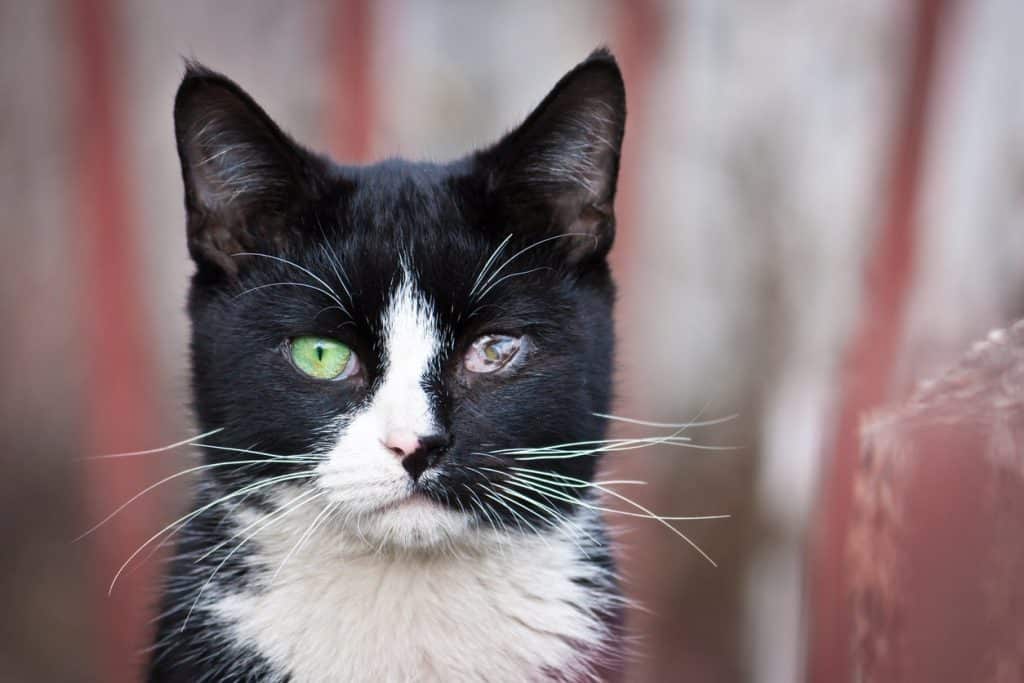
(241, 172)
(564, 159)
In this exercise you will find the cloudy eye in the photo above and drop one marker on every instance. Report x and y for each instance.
(492, 352)
(323, 358)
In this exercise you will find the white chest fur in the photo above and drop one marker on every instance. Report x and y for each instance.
(334, 612)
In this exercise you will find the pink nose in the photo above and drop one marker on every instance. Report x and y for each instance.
(402, 442)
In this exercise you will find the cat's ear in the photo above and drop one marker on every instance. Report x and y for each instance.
(558, 170)
(242, 173)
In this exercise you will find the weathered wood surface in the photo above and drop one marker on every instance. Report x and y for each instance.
(936, 545)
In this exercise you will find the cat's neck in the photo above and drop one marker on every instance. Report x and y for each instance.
(329, 605)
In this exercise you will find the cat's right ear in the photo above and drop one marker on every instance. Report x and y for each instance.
(242, 174)
(555, 175)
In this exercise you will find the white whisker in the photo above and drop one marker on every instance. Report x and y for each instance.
(150, 451)
(483, 271)
(667, 425)
(182, 473)
(335, 264)
(500, 499)
(195, 513)
(295, 284)
(276, 516)
(484, 509)
(270, 457)
(526, 249)
(305, 537)
(548, 510)
(329, 291)
(600, 487)
(640, 507)
(511, 275)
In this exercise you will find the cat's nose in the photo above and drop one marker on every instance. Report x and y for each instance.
(402, 442)
(417, 452)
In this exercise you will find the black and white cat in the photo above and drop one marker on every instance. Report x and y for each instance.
(395, 363)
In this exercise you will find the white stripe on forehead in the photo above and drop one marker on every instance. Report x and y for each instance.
(411, 344)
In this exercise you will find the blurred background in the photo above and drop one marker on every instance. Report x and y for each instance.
(821, 203)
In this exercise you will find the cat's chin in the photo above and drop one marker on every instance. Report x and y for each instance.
(417, 523)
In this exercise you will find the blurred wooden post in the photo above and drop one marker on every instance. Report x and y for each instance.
(351, 98)
(120, 410)
(934, 552)
(638, 36)
(868, 370)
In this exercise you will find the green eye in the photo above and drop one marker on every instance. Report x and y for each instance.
(323, 358)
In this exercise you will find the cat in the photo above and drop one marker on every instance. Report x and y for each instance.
(396, 366)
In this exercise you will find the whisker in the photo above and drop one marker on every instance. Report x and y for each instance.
(484, 509)
(569, 446)
(500, 499)
(270, 457)
(674, 438)
(244, 492)
(600, 487)
(150, 451)
(667, 425)
(640, 507)
(178, 527)
(511, 275)
(182, 473)
(335, 264)
(562, 451)
(302, 500)
(305, 537)
(547, 509)
(296, 284)
(226, 541)
(195, 513)
(580, 454)
(526, 249)
(330, 292)
(483, 271)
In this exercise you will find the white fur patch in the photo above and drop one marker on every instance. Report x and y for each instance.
(363, 476)
(499, 609)
(411, 345)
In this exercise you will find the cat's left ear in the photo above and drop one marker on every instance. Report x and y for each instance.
(557, 172)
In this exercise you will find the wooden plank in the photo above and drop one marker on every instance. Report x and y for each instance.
(868, 368)
(120, 411)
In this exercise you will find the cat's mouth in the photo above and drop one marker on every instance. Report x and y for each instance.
(417, 499)
(413, 519)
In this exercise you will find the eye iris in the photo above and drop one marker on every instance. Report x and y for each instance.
(320, 357)
(491, 353)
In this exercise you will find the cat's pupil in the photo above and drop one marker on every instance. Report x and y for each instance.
(320, 352)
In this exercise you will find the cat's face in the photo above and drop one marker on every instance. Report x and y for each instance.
(395, 341)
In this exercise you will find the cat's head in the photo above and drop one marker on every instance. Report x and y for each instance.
(423, 346)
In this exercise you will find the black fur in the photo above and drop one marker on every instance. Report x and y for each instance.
(250, 189)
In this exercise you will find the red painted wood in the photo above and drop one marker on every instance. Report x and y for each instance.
(120, 410)
(935, 561)
(636, 44)
(636, 34)
(868, 368)
(350, 107)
